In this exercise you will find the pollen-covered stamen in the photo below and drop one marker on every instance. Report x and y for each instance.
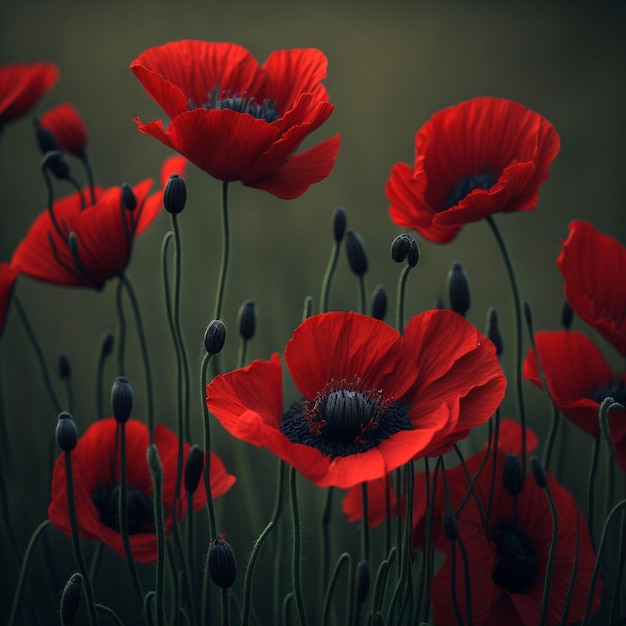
(615, 389)
(466, 185)
(220, 99)
(139, 507)
(345, 418)
(516, 569)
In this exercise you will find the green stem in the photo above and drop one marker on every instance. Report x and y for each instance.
(221, 285)
(591, 486)
(365, 527)
(121, 319)
(401, 297)
(551, 556)
(157, 480)
(325, 538)
(296, 561)
(25, 563)
(328, 277)
(344, 558)
(362, 295)
(109, 613)
(518, 335)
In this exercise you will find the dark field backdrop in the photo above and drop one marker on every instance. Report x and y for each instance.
(391, 66)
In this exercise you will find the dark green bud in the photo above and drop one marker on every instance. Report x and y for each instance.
(128, 197)
(567, 315)
(66, 432)
(362, 581)
(357, 257)
(493, 331)
(379, 303)
(538, 473)
(65, 371)
(56, 163)
(175, 194)
(215, 337)
(340, 221)
(512, 477)
(221, 563)
(458, 289)
(70, 599)
(400, 248)
(121, 399)
(247, 319)
(193, 468)
(107, 344)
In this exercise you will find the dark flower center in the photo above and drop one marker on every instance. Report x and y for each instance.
(615, 389)
(139, 507)
(516, 569)
(241, 102)
(466, 185)
(345, 418)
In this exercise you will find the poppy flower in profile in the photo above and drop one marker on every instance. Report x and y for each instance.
(479, 157)
(8, 276)
(237, 120)
(96, 474)
(22, 85)
(78, 243)
(593, 265)
(579, 378)
(67, 128)
(372, 399)
(507, 556)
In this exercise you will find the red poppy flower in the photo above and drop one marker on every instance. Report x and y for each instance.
(96, 473)
(86, 244)
(237, 120)
(21, 86)
(592, 265)
(68, 128)
(372, 399)
(480, 157)
(508, 559)
(579, 378)
(8, 275)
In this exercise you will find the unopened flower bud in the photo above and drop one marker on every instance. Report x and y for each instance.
(357, 257)
(66, 432)
(175, 194)
(221, 563)
(65, 371)
(458, 289)
(128, 197)
(45, 139)
(215, 336)
(70, 599)
(451, 526)
(362, 581)
(567, 315)
(56, 163)
(539, 473)
(493, 332)
(340, 222)
(413, 256)
(512, 477)
(400, 248)
(379, 303)
(121, 399)
(439, 304)
(107, 344)
(193, 468)
(247, 319)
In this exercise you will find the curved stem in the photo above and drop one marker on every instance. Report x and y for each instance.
(551, 556)
(591, 486)
(156, 470)
(221, 285)
(328, 277)
(365, 526)
(121, 349)
(344, 558)
(401, 298)
(296, 561)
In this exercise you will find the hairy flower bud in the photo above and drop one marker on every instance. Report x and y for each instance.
(458, 289)
(193, 468)
(175, 194)
(121, 399)
(340, 221)
(66, 432)
(362, 581)
(512, 477)
(70, 599)
(379, 303)
(247, 319)
(357, 257)
(215, 336)
(221, 563)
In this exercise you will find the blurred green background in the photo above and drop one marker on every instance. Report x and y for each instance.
(391, 66)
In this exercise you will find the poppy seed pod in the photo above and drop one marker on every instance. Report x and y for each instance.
(362, 581)
(539, 473)
(221, 563)
(400, 248)
(379, 303)
(121, 399)
(512, 477)
(70, 599)
(66, 432)
(215, 337)
(357, 257)
(493, 332)
(175, 194)
(193, 468)
(128, 197)
(65, 371)
(340, 221)
(458, 289)
(247, 319)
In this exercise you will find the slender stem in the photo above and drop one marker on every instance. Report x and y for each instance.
(121, 349)
(157, 480)
(365, 526)
(328, 277)
(225, 606)
(110, 613)
(87, 165)
(572, 578)
(247, 587)
(362, 295)
(221, 285)
(591, 486)
(296, 561)
(99, 383)
(621, 558)
(401, 297)
(551, 556)
(325, 536)
(518, 335)
(344, 558)
(25, 563)
(78, 554)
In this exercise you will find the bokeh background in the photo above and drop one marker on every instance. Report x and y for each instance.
(391, 66)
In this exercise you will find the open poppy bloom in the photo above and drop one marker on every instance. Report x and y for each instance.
(22, 85)
(237, 120)
(96, 473)
(67, 127)
(593, 266)
(507, 555)
(78, 243)
(371, 399)
(579, 378)
(479, 157)
(8, 276)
